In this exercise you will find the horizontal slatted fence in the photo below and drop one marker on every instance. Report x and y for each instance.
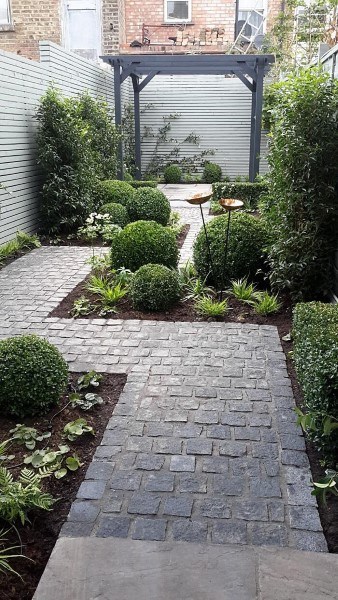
(216, 108)
(22, 84)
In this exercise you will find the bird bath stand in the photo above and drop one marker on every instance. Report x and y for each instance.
(229, 205)
(199, 200)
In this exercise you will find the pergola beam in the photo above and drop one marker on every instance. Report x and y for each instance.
(243, 66)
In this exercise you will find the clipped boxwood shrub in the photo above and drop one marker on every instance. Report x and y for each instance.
(140, 184)
(144, 242)
(117, 212)
(212, 172)
(154, 287)
(247, 240)
(172, 174)
(33, 376)
(249, 193)
(149, 204)
(113, 190)
(315, 351)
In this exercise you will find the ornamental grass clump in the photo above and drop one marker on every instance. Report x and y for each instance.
(149, 204)
(34, 375)
(154, 287)
(144, 242)
(246, 250)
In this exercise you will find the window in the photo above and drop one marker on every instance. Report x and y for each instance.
(251, 12)
(177, 11)
(5, 13)
(82, 28)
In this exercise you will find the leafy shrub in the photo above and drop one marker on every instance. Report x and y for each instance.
(140, 184)
(249, 193)
(149, 204)
(113, 190)
(247, 240)
(207, 307)
(212, 172)
(315, 334)
(154, 287)
(117, 212)
(144, 242)
(303, 175)
(172, 174)
(33, 376)
(65, 156)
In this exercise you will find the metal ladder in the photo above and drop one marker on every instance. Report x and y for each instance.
(238, 46)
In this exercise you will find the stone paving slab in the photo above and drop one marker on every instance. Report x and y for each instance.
(89, 568)
(203, 444)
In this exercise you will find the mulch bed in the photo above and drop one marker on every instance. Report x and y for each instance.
(39, 536)
(65, 240)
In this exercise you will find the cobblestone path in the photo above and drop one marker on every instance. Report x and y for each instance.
(202, 445)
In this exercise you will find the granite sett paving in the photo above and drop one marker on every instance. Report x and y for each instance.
(202, 446)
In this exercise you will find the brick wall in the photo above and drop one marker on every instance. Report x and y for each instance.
(33, 20)
(112, 25)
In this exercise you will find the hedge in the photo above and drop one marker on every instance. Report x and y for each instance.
(141, 184)
(249, 193)
(315, 334)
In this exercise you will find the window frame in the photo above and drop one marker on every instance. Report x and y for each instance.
(168, 20)
(9, 24)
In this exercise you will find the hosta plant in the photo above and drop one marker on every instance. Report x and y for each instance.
(90, 379)
(85, 402)
(75, 429)
(28, 436)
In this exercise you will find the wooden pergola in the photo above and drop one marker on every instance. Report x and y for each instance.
(142, 68)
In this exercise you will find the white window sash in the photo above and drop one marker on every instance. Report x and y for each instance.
(5, 12)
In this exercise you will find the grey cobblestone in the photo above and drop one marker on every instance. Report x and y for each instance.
(192, 388)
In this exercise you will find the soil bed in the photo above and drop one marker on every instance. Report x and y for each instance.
(65, 240)
(39, 536)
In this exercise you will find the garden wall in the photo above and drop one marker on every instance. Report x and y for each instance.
(216, 108)
(22, 84)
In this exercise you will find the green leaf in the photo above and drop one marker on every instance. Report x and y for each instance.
(60, 473)
(73, 463)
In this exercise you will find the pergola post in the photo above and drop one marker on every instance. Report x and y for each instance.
(137, 125)
(118, 117)
(256, 121)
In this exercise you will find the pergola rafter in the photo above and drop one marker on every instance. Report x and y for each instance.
(250, 70)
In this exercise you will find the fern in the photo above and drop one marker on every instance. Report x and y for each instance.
(18, 497)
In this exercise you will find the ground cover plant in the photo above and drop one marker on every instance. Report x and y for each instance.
(22, 243)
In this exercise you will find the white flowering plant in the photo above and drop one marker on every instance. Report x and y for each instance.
(98, 225)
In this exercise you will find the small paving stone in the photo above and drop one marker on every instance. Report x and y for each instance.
(251, 510)
(292, 442)
(216, 464)
(232, 449)
(70, 529)
(233, 419)
(271, 467)
(182, 463)
(160, 482)
(206, 417)
(245, 466)
(199, 446)
(230, 486)
(100, 470)
(259, 420)
(189, 531)
(244, 407)
(269, 534)
(143, 503)
(149, 462)
(304, 517)
(309, 541)
(179, 507)
(91, 490)
(263, 450)
(188, 430)
(167, 446)
(215, 508)
(229, 533)
(112, 502)
(126, 481)
(159, 429)
(83, 512)
(219, 432)
(292, 457)
(268, 487)
(276, 511)
(192, 483)
(113, 527)
(246, 433)
(149, 529)
(176, 415)
(205, 392)
(137, 444)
